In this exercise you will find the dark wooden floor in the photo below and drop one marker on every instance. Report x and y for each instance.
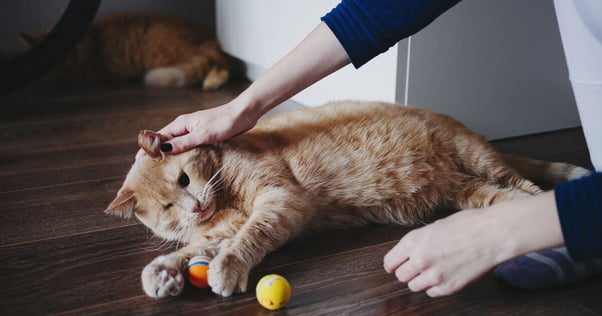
(64, 154)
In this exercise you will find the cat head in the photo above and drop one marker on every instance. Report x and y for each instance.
(173, 195)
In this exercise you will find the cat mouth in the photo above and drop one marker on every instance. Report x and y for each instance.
(203, 211)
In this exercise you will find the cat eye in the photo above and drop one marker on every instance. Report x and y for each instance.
(183, 180)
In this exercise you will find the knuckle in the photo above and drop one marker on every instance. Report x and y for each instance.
(421, 263)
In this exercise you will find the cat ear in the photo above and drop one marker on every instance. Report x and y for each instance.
(123, 205)
(151, 143)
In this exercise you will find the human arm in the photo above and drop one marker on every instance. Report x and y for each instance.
(443, 257)
(356, 31)
(317, 56)
(446, 255)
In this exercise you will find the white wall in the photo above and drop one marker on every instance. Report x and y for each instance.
(260, 32)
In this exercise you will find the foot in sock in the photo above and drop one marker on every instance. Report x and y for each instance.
(545, 269)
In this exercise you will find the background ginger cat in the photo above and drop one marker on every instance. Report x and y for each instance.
(341, 165)
(164, 50)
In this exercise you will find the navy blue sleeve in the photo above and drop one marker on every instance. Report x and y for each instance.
(579, 204)
(366, 28)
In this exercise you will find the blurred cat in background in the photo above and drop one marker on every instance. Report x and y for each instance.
(162, 50)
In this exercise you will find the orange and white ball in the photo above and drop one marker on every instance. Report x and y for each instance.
(197, 270)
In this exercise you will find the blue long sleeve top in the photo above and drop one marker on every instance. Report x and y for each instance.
(579, 204)
(366, 28)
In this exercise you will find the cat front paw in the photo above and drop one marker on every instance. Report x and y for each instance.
(227, 275)
(160, 279)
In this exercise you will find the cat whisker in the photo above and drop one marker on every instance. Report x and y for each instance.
(208, 188)
(162, 246)
(215, 174)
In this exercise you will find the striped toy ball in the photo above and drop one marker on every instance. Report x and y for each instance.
(197, 270)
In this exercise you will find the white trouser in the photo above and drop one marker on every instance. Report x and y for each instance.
(580, 23)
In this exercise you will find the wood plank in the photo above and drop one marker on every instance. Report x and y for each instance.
(103, 262)
(38, 170)
(88, 98)
(67, 149)
(563, 146)
(62, 274)
(350, 282)
(57, 211)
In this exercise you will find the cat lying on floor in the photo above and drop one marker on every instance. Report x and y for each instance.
(164, 50)
(341, 165)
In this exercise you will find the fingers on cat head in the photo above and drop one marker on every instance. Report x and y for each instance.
(150, 142)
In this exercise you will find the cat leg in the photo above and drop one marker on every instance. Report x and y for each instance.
(164, 276)
(275, 218)
(478, 194)
(216, 78)
(185, 75)
(165, 77)
(206, 69)
(218, 72)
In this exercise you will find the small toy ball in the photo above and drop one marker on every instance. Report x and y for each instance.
(273, 291)
(197, 270)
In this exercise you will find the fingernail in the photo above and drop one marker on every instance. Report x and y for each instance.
(166, 147)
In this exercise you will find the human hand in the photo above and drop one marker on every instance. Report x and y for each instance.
(205, 127)
(443, 257)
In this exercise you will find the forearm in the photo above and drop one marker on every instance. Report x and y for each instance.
(525, 225)
(317, 56)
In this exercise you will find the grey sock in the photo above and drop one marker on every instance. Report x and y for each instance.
(546, 268)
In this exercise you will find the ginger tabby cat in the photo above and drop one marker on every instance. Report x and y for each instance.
(164, 50)
(341, 165)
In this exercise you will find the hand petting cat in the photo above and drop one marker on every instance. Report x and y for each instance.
(204, 127)
(303, 66)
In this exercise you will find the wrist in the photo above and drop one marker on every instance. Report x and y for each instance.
(245, 109)
(526, 225)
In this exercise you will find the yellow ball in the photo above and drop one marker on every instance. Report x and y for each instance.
(273, 291)
(197, 270)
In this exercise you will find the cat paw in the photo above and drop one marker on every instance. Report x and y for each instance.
(161, 280)
(227, 275)
(165, 77)
(215, 79)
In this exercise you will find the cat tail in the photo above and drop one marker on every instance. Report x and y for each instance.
(544, 172)
(208, 66)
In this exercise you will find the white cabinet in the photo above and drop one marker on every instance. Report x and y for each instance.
(496, 65)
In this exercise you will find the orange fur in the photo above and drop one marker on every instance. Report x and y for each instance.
(344, 164)
(166, 51)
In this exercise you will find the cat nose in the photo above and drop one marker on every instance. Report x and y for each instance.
(197, 207)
